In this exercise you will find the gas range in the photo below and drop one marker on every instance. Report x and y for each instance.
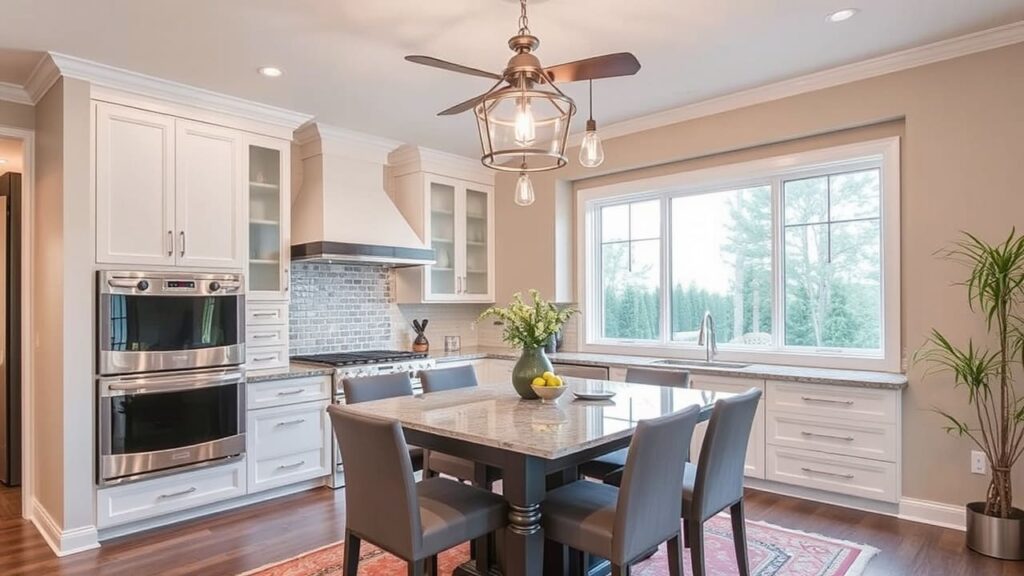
(361, 363)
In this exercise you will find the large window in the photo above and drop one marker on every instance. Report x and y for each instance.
(791, 257)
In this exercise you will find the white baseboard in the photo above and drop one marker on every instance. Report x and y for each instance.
(62, 542)
(934, 513)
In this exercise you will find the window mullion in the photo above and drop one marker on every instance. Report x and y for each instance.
(666, 270)
(778, 265)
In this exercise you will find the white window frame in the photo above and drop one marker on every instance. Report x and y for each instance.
(883, 153)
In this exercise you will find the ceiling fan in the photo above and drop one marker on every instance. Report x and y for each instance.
(523, 119)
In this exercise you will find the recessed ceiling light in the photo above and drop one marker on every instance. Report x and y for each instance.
(842, 15)
(271, 72)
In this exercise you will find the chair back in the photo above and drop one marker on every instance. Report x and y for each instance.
(442, 379)
(673, 378)
(651, 482)
(719, 481)
(380, 492)
(368, 388)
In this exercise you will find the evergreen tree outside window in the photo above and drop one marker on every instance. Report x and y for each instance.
(630, 254)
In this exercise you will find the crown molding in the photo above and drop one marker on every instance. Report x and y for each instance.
(14, 93)
(409, 158)
(911, 58)
(55, 65)
(317, 138)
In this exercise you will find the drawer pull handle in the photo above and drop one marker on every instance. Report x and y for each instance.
(833, 474)
(264, 314)
(833, 437)
(288, 466)
(291, 422)
(827, 401)
(264, 335)
(176, 494)
(291, 392)
(263, 358)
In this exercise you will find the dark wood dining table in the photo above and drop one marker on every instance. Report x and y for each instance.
(537, 445)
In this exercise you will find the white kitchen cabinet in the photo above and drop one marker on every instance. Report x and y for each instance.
(451, 207)
(754, 465)
(135, 189)
(498, 370)
(269, 217)
(168, 190)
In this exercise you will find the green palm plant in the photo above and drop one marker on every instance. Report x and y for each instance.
(995, 288)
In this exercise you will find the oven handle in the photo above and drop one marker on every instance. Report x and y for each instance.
(163, 384)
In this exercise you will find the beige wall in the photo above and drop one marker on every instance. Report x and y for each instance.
(17, 115)
(962, 123)
(62, 310)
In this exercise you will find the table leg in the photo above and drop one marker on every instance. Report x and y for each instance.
(556, 555)
(523, 488)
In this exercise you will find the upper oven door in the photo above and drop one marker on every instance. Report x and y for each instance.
(169, 321)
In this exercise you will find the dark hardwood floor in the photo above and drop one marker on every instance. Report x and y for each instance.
(233, 542)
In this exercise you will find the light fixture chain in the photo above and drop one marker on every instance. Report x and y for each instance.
(524, 22)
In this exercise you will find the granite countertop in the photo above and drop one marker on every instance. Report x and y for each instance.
(294, 370)
(858, 378)
(492, 414)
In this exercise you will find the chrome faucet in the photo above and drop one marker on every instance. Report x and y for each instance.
(706, 337)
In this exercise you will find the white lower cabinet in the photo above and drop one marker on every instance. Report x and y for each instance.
(753, 466)
(861, 477)
(497, 370)
(289, 442)
(151, 498)
(266, 328)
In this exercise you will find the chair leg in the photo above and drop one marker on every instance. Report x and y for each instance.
(416, 568)
(351, 554)
(697, 547)
(675, 556)
(432, 566)
(739, 537)
(620, 570)
(686, 534)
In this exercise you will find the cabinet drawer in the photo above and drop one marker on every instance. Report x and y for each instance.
(260, 336)
(268, 393)
(286, 430)
(842, 474)
(266, 313)
(266, 358)
(289, 468)
(149, 498)
(864, 440)
(826, 402)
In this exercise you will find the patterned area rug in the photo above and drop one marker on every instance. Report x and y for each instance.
(774, 551)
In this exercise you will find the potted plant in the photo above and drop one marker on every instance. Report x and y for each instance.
(986, 372)
(528, 327)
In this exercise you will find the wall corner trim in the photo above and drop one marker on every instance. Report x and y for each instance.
(934, 513)
(63, 542)
(14, 93)
(948, 49)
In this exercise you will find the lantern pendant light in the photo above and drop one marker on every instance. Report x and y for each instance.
(591, 149)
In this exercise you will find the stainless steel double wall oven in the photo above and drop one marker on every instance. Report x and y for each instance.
(171, 386)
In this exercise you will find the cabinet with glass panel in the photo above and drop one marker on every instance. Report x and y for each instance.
(455, 217)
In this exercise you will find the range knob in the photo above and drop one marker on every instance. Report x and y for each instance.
(214, 286)
(143, 285)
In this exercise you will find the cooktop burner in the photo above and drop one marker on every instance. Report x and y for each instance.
(361, 357)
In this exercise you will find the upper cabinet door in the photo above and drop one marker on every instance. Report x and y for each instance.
(267, 168)
(134, 186)
(209, 207)
(478, 244)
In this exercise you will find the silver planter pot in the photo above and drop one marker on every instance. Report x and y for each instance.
(1001, 538)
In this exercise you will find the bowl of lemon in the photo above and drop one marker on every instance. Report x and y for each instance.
(548, 386)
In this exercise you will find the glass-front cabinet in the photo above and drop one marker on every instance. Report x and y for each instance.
(268, 219)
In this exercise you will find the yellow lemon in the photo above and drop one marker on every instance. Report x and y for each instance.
(539, 381)
(556, 381)
(548, 375)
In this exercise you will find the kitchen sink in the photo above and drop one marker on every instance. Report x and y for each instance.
(697, 363)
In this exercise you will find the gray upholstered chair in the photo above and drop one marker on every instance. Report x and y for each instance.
(387, 507)
(441, 380)
(369, 388)
(716, 482)
(623, 524)
(602, 466)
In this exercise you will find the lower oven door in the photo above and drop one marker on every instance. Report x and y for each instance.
(153, 424)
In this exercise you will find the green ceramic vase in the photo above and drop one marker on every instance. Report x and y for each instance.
(531, 364)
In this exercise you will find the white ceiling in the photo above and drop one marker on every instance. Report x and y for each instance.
(343, 59)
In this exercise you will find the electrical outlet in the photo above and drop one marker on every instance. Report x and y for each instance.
(978, 462)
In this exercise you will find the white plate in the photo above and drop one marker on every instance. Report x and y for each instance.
(595, 395)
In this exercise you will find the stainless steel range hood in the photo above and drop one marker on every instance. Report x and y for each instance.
(341, 212)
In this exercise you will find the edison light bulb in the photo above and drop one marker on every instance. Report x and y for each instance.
(525, 127)
(591, 149)
(524, 190)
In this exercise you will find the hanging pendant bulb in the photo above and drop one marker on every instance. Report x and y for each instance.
(591, 149)
(525, 124)
(524, 190)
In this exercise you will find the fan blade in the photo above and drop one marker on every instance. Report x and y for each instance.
(463, 106)
(450, 66)
(607, 66)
